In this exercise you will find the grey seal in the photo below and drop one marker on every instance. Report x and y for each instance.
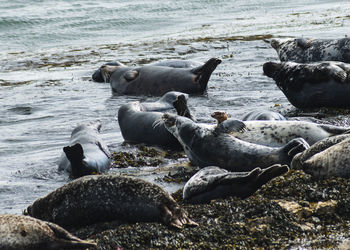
(257, 115)
(98, 198)
(327, 158)
(313, 85)
(304, 50)
(277, 133)
(157, 80)
(24, 232)
(210, 146)
(86, 153)
(212, 183)
(97, 76)
(138, 120)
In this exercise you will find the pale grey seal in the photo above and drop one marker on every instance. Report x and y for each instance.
(138, 120)
(208, 146)
(86, 153)
(277, 133)
(327, 158)
(212, 183)
(157, 80)
(24, 232)
(324, 84)
(304, 50)
(98, 198)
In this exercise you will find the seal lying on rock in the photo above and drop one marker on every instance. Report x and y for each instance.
(304, 50)
(212, 183)
(276, 133)
(157, 80)
(97, 76)
(327, 158)
(137, 121)
(208, 146)
(24, 232)
(100, 198)
(325, 84)
(86, 153)
(257, 115)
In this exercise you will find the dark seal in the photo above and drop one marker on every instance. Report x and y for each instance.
(214, 146)
(158, 80)
(211, 183)
(324, 84)
(24, 232)
(86, 153)
(92, 199)
(304, 50)
(138, 121)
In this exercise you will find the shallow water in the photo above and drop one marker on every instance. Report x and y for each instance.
(50, 49)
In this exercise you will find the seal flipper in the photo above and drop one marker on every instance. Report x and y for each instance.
(75, 155)
(230, 126)
(270, 173)
(175, 216)
(334, 71)
(303, 43)
(65, 240)
(131, 75)
(204, 72)
(292, 148)
(180, 104)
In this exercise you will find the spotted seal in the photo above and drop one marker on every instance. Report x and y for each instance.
(276, 133)
(97, 76)
(314, 85)
(304, 50)
(209, 146)
(97, 198)
(212, 183)
(24, 232)
(86, 153)
(327, 158)
(157, 80)
(138, 120)
(257, 115)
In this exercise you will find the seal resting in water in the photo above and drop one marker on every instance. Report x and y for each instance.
(86, 153)
(24, 232)
(208, 146)
(325, 84)
(157, 80)
(327, 158)
(276, 133)
(97, 76)
(138, 121)
(98, 198)
(212, 183)
(304, 50)
(257, 115)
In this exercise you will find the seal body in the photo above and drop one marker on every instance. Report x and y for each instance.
(86, 153)
(257, 115)
(304, 50)
(137, 121)
(212, 183)
(157, 80)
(325, 84)
(327, 158)
(92, 199)
(206, 146)
(24, 232)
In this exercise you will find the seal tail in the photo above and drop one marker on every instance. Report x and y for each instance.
(75, 155)
(204, 72)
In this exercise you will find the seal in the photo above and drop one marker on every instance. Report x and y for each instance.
(97, 76)
(24, 232)
(327, 158)
(138, 121)
(86, 153)
(258, 115)
(324, 84)
(211, 183)
(305, 50)
(157, 80)
(208, 146)
(277, 133)
(98, 198)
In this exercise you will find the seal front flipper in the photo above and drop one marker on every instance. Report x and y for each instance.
(230, 126)
(334, 71)
(269, 173)
(303, 43)
(180, 104)
(204, 72)
(292, 148)
(131, 75)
